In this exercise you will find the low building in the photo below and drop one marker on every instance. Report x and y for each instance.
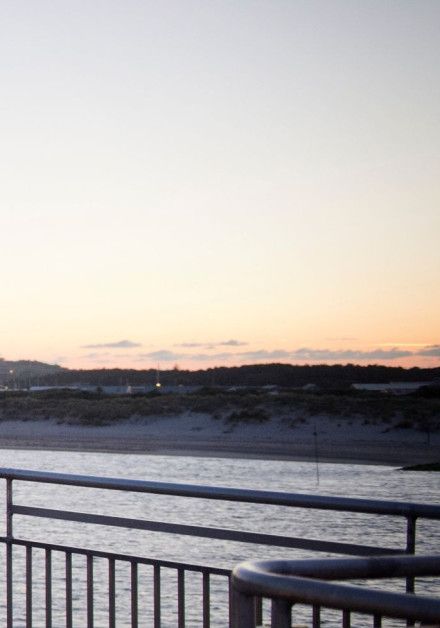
(393, 388)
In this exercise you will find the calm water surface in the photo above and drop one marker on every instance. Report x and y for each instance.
(348, 480)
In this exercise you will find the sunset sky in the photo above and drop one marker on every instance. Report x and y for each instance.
(220, 182)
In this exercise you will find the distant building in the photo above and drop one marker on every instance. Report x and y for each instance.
(392, 388)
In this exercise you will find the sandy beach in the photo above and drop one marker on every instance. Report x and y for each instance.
(346, 441)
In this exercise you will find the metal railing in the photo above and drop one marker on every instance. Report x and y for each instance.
(410, 512)
(305, 582)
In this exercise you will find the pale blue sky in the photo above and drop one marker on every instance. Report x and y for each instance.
(195, 172)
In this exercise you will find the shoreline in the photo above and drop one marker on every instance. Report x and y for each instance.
(200, 435)
(163, 450)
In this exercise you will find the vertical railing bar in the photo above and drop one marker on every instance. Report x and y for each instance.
(411, 535)
(156, 596)
(69, 621)
(111, 593)
(206, 600)
(242, 611)
(181, 597)
(9, 530)
(48, 588)
(28, 586)
(410, 549)
(316, 623)
(377, 621)
(9, 537)
(281, 614)
(346, 619)
(258, 610)
(134, 595)
(89, 591)
(9, 593)
(231, 603)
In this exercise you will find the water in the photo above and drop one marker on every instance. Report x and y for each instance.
(376, 482)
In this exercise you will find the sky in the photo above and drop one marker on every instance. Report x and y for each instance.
(215, 183)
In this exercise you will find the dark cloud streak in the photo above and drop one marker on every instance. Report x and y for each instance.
(349, 354)
(164, 355)
(303, 354)
(432, 351)
(120, 344)
(212, 345)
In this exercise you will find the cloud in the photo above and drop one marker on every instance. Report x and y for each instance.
(349, 354)
(232, 343)
(212, 345)
(314, 355)
(304, 354)
(432, 351)
(120, 344)
(107, 355)
(277, 354)
(301, 355)
(211, 356)
(164, 355)
(403, 344)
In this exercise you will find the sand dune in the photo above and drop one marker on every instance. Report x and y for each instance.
(199, 434)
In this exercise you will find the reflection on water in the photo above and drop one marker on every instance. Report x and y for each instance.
(348, 480)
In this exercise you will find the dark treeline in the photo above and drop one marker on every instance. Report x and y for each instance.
(287, 375)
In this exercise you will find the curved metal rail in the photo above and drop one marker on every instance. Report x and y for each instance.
(306, 582)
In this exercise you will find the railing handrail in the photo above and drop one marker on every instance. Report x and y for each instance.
(304, 581)
(297, 500)
(262, 577)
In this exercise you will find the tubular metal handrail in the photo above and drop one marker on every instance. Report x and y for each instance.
(410, 511)
(289, 582)
(274, 498)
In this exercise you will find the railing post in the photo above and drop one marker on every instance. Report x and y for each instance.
(90, 609)
(29, 586)
(411, 534)
(157, 596)
(48, 588)
(134, 595)
(410, 549)
(259, 611)
(206, 600)
(316, 616)
(69, 596)
(243, 610)
(9, 537)
(181, 598)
